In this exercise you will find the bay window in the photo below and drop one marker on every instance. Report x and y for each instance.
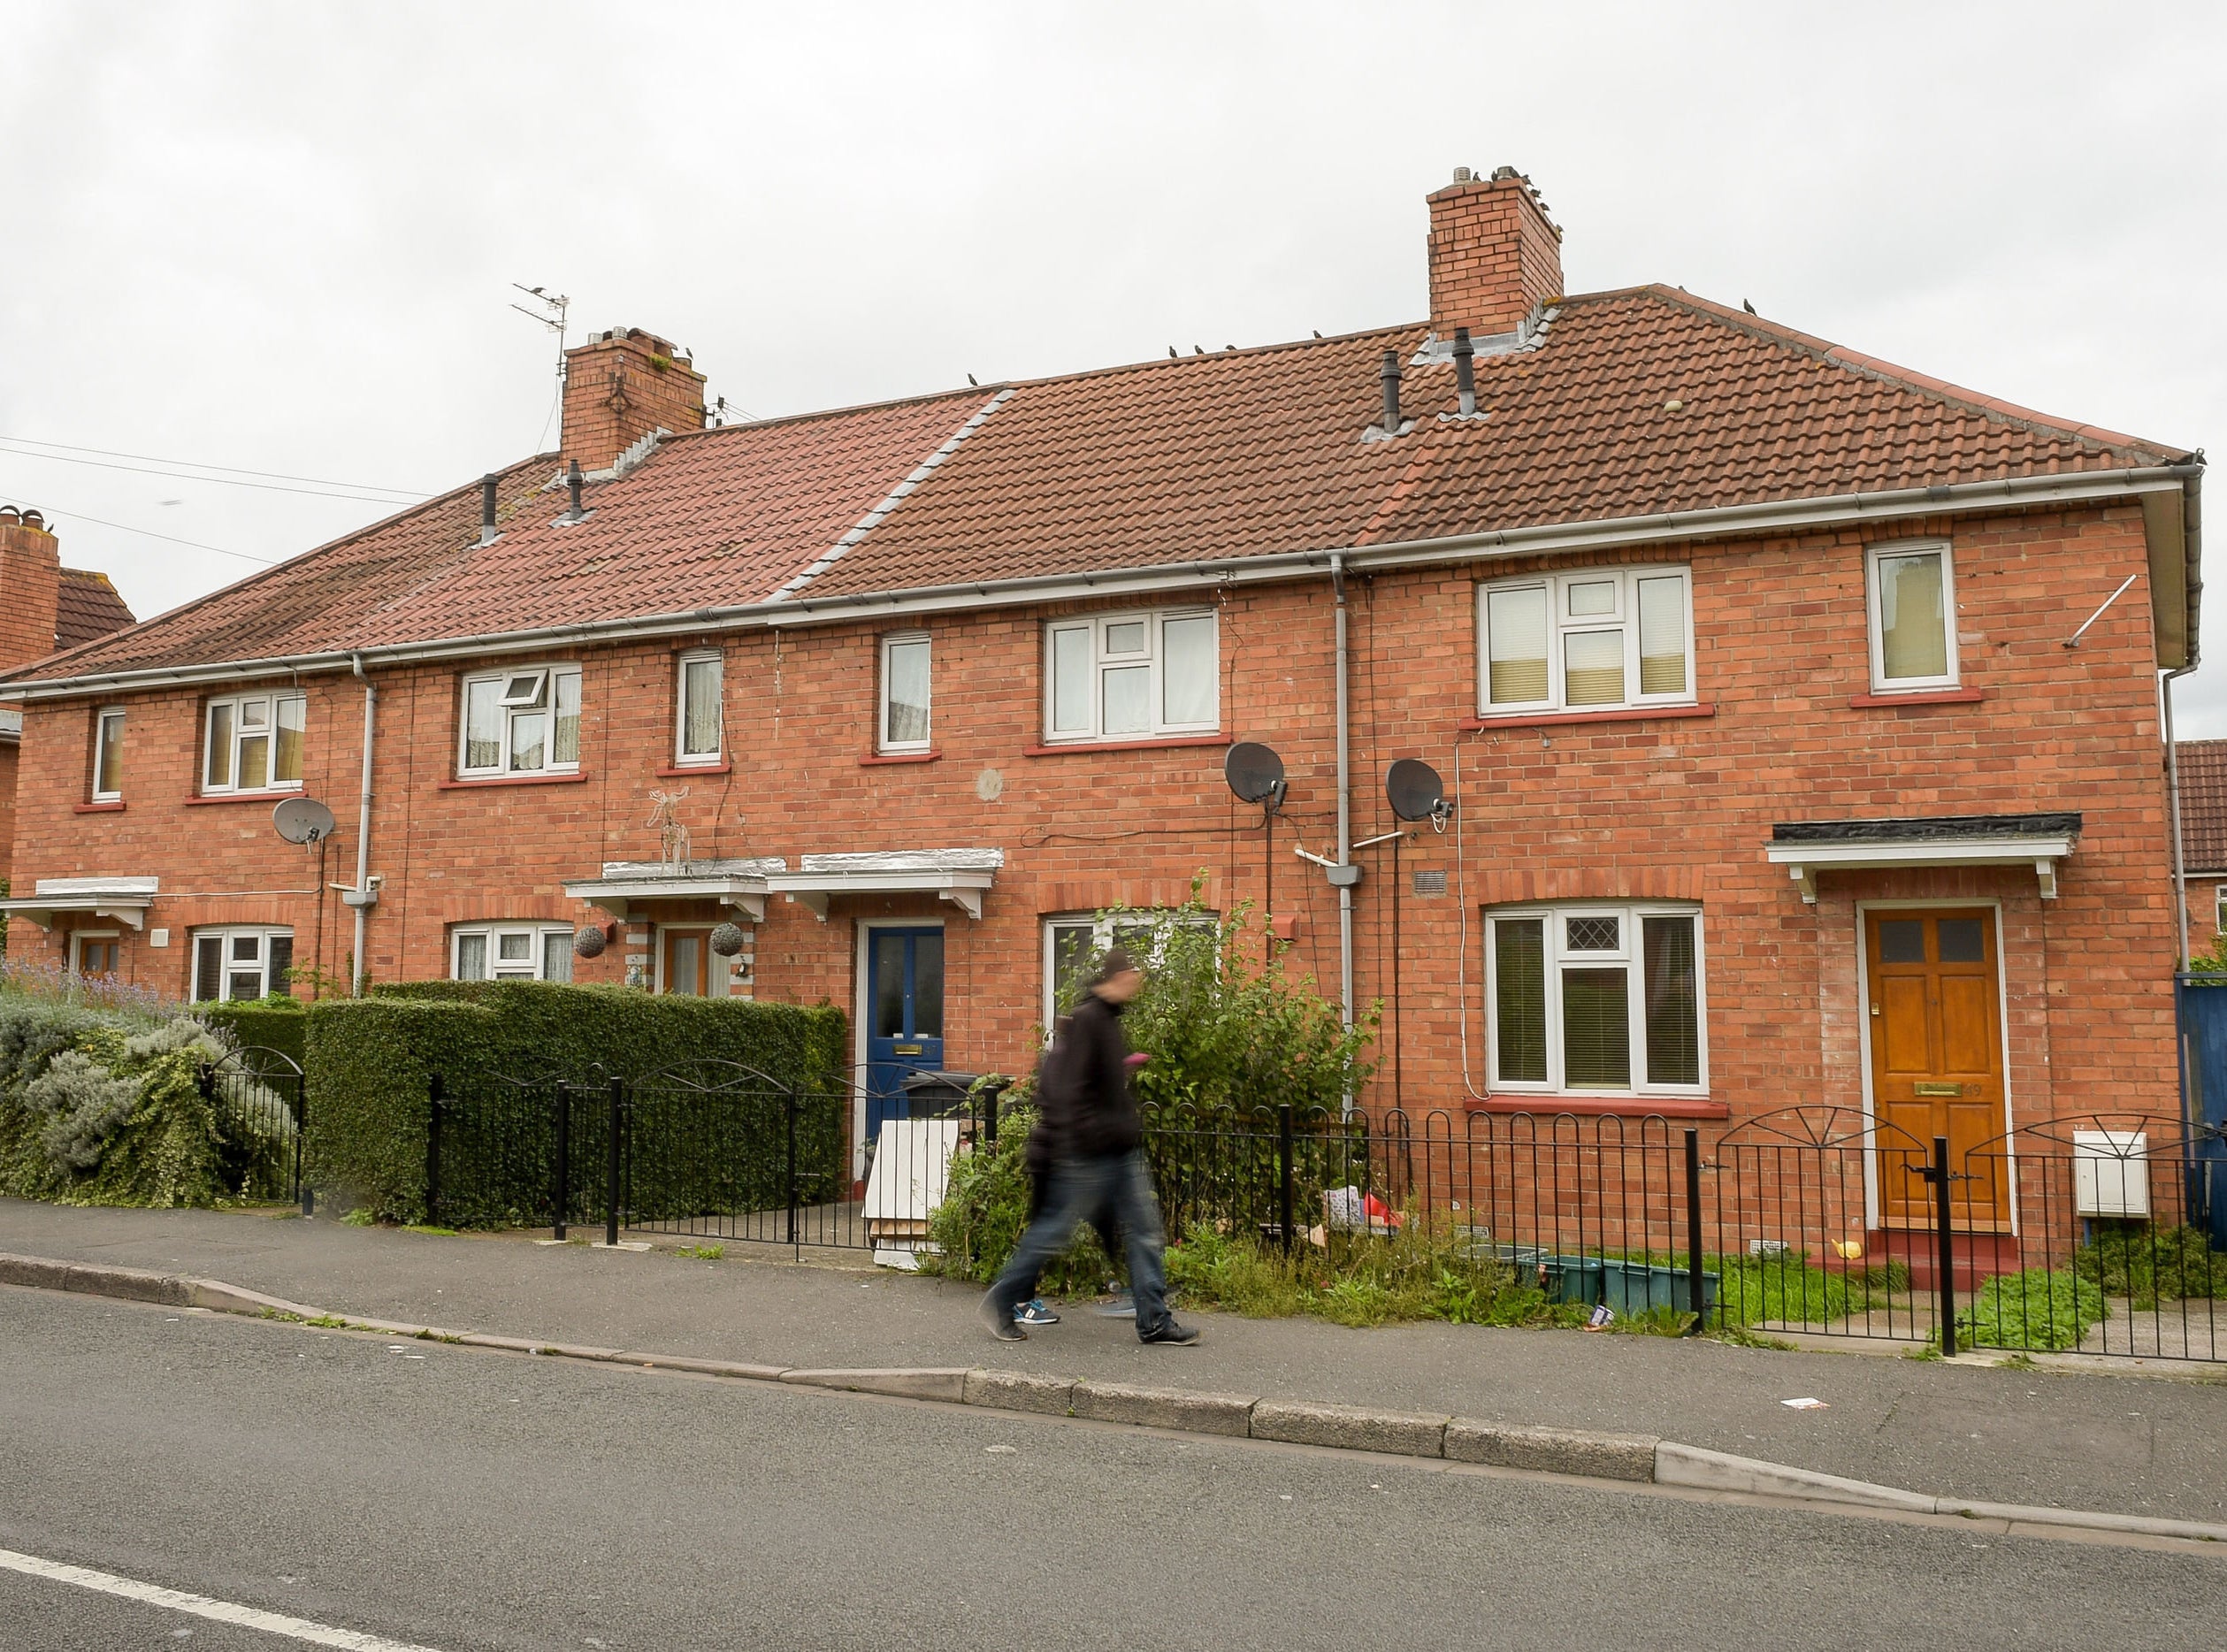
(1593, 639)
(1595, 997)
(525, 720)
(254, 743)
(1132, 676)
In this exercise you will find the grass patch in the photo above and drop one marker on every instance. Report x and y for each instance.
(428, 1227)
(1741, 1336)
(2042, 1308)
(703, 1252)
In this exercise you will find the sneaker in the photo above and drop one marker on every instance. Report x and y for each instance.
(1034, 1313)
(1170, 1335)
(1000, 1325)
(1123, 1307)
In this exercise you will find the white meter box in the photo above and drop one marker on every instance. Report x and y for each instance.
(2111, 1173)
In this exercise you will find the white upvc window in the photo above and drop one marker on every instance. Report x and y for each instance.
(1910, 592)
(1072, 939)
(108, 754)
(699, 732)
(523, 721)
(241, 963)
(906, 696)
(511, 952)
(1591, 640)
(2219, 908)
(1596, 998)
(1132, 675)
(254, 743)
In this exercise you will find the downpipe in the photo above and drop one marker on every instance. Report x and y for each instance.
(364, 897)
(1344, 874)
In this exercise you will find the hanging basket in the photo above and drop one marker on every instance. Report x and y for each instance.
(728, 940)
(589, 943)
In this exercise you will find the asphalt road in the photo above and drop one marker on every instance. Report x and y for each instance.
(460, 1499)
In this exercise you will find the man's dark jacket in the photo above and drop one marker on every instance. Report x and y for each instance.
(1083, 1087)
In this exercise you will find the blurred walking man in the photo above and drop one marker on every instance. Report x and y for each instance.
(1097, 1138)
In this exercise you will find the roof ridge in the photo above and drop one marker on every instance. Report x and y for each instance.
(1909, 379)
(924, 397)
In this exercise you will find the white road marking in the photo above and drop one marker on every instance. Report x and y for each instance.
(201, 1606)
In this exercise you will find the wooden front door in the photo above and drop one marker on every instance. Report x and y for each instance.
(1937, 1059)
(688, 962)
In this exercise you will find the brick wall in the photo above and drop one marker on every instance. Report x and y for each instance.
(30, 580)
(1678, 806)
(1493, 255)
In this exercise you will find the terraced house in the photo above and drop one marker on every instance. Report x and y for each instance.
(1742, 658)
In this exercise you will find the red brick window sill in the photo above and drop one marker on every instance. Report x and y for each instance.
(1923, 697)
(232, 797)
(681, 771)
(1605, 1106)
(900, 757)
(1549, 719)
(113, 806)
(511, 780)
(1158, 744)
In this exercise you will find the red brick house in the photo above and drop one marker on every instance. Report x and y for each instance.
(1741, 656)
(43, 606)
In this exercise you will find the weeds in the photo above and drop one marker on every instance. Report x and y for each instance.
(428, 1227)
(361, 1216)
(703, 1253)
(2145, 1264)
(2041, 1308)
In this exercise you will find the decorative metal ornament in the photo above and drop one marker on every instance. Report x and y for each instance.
(672, 834)
(589, 943)
(728, 940)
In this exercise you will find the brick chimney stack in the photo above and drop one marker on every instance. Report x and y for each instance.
(30, 586)
(1494, 254)
(619, 386)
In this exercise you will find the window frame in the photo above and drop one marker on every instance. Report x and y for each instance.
(1154, 657)
(109, 788)
(2219, 909)
(540, 932)
(79, 939)
(683, 758)
(230, 786)
(506, 678)
(1630, 955)
(1624, 616)
(1104, 927)
(227, 965)
(883, 743)
(1876, 637)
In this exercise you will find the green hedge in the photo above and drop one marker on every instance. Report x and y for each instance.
(275, 1023)
(499, 1046)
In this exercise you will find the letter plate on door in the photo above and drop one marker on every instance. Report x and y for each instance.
(908, 1049)
(1923, 1088)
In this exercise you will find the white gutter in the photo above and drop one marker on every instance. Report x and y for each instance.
(2074, 487)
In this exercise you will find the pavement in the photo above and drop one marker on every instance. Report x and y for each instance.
(454, 1498)
(2151, 1444)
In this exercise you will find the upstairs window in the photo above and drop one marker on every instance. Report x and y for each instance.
(1604, 999)
(511, 951)
(1911, 594)
(904, 694)
(1595, 639)
(254, 744)
(522, 721)
(108, 756)
(702, 717)
(1132, 676)
(231, 964)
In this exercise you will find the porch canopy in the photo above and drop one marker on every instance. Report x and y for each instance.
(1806, 848)
(627, 884)
(124, 898)
(962, 876)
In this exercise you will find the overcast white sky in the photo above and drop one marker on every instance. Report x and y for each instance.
(280, 237)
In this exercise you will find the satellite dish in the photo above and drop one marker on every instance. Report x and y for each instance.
(1413, 788)
(1254, 773)
(302, 819)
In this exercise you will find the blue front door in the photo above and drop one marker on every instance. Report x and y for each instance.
(905, 1016)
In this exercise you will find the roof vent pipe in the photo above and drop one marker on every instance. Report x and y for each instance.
(1465, 371)
(488, 510)
(1389, 374)
(572, 483)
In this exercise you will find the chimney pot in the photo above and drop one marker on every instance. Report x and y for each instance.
(1461, 175)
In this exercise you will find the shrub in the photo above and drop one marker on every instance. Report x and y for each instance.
(985, 1206)
(278, 1022)
(499, 1046)
(2146, 1264)
(2041, 1309)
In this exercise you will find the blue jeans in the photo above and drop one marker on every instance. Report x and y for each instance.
(1079, 1189)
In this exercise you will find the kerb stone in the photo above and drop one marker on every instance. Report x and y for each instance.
(1351, 1428)
(1165, 1408)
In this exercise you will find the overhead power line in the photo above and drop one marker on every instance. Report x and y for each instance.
(222, 481)
(276, 476)
(126, 527)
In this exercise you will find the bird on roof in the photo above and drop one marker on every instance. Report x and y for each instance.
(1198, 349)
(973, 381)
(1745, 305)
(1318, 332)
(1171, 352)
